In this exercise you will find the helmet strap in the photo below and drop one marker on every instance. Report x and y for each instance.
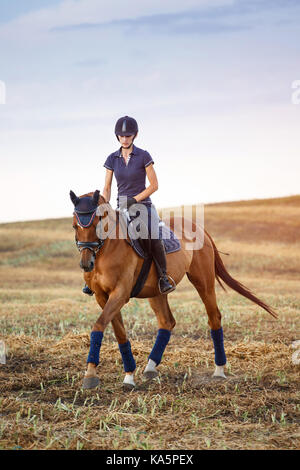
(129, 145)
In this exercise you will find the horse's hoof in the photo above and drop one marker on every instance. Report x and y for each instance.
(128, 382)
(150, 374)
(90, 382)
(216, 376)
(219, 372)
(128, 387)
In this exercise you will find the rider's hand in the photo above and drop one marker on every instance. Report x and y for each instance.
(128, 202)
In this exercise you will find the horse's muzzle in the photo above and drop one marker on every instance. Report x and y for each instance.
(87, 264)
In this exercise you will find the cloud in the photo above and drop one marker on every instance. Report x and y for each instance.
(190, 22)
(218, 17)
(72, 12)
(201, 17)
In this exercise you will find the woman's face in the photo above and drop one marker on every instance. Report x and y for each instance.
(126, 141)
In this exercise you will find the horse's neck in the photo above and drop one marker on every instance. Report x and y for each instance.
(115, 226)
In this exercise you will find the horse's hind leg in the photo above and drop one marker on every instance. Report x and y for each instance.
(166, 323)
(206, 290)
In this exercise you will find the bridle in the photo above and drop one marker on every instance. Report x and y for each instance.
(94, 247)
(85, 220)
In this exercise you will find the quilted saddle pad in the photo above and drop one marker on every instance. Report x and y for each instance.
(168, 237)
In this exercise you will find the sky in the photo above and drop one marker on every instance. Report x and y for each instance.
(210, 83)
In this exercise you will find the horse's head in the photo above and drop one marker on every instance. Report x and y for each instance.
(85, 221)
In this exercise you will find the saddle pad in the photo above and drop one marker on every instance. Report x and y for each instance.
(168, 237)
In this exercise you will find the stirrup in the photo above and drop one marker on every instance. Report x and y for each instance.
(168, 290)
(87, 290)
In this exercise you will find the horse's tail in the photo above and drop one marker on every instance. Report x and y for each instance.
(221, 272)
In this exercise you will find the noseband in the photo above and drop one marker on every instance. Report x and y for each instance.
(92, 246)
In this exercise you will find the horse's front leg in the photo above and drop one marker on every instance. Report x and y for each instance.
(112, 307)
(125, 350)
(166, 323)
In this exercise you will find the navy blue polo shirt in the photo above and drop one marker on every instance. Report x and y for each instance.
(131, 177)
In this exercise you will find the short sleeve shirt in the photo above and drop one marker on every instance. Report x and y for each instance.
(130, 176)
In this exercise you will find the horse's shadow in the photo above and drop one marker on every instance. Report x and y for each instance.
(180, 380)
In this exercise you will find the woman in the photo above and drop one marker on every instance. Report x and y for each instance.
(131, 165)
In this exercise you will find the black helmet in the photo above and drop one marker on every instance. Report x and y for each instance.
(126, 126)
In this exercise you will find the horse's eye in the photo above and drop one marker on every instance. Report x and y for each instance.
(74, 227)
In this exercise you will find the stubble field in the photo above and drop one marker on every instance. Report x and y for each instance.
(45, 322)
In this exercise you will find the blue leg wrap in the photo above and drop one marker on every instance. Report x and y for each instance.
(161, 342)
(217, 337)
(127, 357)
(96, 340)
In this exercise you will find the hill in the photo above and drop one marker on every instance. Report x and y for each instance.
(249, 228)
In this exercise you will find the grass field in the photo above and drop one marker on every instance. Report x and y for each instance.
(45, 322)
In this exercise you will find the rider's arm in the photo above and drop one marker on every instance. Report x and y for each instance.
(151, 175)
(107, 185)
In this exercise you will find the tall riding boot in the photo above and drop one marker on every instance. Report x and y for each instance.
(159, 255)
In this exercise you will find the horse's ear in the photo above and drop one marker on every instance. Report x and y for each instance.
(96, 197)
(74, 198)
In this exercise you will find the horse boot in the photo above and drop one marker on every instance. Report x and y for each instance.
(159, 255)
(87, 290)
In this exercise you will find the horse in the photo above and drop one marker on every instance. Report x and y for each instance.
(111, 268)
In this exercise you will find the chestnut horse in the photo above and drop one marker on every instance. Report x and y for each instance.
(111, 268)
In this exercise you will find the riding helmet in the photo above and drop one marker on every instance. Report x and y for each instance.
(126, 126)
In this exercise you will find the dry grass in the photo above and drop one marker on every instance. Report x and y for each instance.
(46, 321)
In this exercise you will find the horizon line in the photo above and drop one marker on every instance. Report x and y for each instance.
(169, 207)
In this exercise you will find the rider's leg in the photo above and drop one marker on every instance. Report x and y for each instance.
(148, 214)
(158, 252)
(159, 255)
